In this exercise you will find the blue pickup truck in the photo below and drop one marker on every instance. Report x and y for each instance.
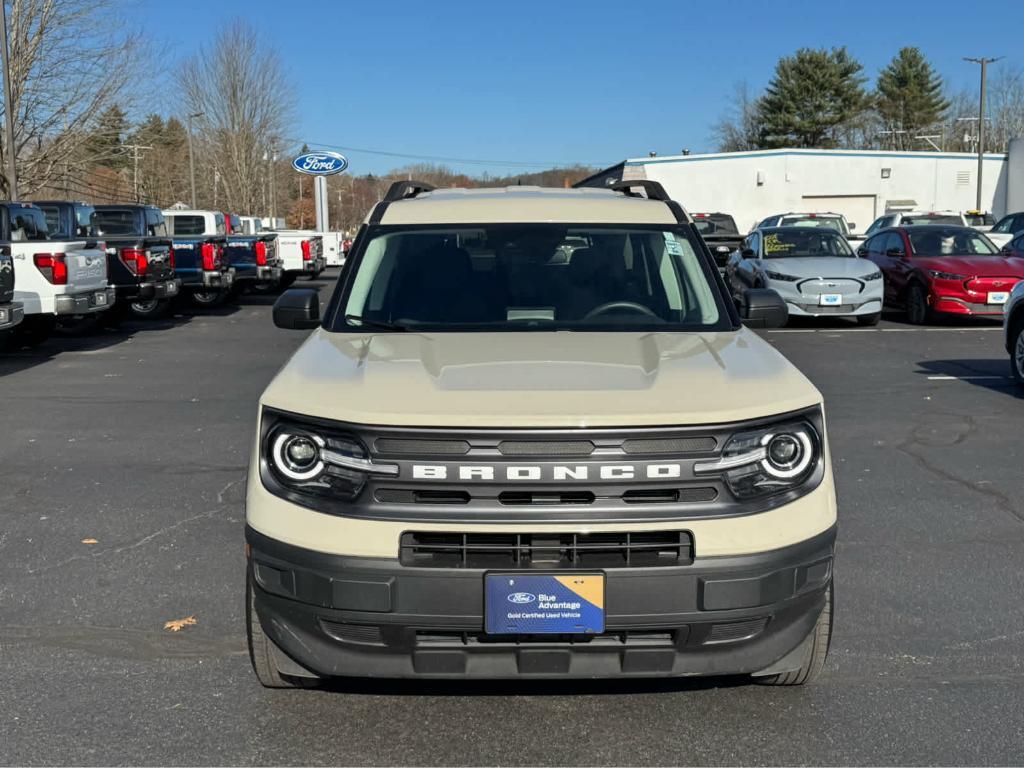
(252, 252)
(200, 255)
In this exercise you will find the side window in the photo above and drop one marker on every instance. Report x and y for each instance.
(894, 241)
(52, 214)
(155, 225)
(1004, 224)
(874, 225)
(755, 244)
(27, 224)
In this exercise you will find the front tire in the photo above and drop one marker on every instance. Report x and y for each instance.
(868, 320)
(918, 311)
(261, 649)
(1017, 353)
(815, 653)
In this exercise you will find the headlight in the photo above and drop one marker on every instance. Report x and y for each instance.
(945, 275)
(768, 460)
(872, 276)
(780, 276)
(312, 460)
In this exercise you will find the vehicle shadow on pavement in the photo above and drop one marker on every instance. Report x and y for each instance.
(993, 374)
(485, 688)
(83, 340)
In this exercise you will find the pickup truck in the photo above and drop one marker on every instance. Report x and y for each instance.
(53, 279)
(301, 253)
(11, 312)
(720, 235)
(200, 255)
(252, 253)
(140, 261)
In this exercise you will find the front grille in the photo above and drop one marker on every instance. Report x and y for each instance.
(553, 448)
(638, 549)
(636, 446)
(828, 310)
(666, 638)
(396, 447)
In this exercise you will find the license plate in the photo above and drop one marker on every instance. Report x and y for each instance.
(519, 604)
(830, 299)
(998, 297)
(101, 299)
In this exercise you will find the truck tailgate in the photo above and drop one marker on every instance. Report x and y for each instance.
(87, 267)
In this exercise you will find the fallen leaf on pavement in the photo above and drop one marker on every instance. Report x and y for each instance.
(90, 541)
(176, 625)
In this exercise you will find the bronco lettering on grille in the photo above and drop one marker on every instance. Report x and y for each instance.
(557, 472)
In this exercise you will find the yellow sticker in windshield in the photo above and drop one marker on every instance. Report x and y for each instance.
(772, 244)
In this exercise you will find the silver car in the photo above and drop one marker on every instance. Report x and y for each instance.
(814, 270)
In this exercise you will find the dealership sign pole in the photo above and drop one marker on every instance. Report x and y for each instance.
(320, 165)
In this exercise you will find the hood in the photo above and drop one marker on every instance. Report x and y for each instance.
(539, 379)
(973, 266)
(821, 266)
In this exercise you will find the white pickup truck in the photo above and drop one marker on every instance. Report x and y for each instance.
(301, 253)
(53, 279)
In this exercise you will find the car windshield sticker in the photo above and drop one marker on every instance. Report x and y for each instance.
(772, 244)
(672, 245)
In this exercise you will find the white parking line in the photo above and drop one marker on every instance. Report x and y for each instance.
(968, 378)
(885, 330)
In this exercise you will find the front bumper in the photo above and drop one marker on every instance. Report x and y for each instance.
(85, 303)
(853, 309)
(954, 306)
(11, 314)
(351, 616)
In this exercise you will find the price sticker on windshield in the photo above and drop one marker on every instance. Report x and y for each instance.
(672, 245)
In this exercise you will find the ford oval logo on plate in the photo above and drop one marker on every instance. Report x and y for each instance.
(521, 598)
(320, 163)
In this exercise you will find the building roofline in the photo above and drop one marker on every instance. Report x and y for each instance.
(883, 153)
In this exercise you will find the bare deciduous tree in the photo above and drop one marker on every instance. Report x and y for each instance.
(70, 61)
(737, 129)
(238, 86)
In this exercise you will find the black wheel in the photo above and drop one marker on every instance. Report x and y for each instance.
(1017, 352)
(33, 331)
(918, 311)
(871, 319)
(208, 298)
(151, 309)
(815, 653)
(261, 652)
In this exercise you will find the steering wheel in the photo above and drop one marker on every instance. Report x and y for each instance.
(613, 305)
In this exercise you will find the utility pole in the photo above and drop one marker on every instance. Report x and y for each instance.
(984, 61)
(192, 158)
(136, 150)
(12, 166)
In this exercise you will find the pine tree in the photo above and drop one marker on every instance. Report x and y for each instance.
(812, 99)
(104, 144)
(909, 96)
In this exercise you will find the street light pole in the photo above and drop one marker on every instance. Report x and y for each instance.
(12, 166)
(981, 120)
(192, 158)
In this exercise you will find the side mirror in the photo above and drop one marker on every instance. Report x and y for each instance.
(851, 226)
(747, 253)
(895, 253)
(763, 308)
(297, 309)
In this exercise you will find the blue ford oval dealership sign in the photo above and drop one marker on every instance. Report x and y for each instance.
(320, 163)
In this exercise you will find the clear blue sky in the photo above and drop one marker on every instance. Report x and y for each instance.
(561, 81)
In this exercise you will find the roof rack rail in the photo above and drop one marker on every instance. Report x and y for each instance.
(653, 189)
(403, 190)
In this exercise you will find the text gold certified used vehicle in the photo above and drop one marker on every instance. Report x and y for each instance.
(530, 436)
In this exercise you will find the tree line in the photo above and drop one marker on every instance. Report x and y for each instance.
(817, 98)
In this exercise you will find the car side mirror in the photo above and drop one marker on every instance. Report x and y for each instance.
(895, 253)
(297, 309)
(763, 308)
(851, 226)
(747, 253)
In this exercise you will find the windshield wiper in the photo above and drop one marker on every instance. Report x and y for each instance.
(379, 324)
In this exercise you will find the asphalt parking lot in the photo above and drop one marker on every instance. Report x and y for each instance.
(139, 440)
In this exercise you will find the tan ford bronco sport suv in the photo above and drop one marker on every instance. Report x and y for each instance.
(531, 437)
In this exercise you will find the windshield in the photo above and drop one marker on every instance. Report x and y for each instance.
(910, 221)
(823, 222)
(950, 241)
(796, 242)
(714, 224)
(517, 277)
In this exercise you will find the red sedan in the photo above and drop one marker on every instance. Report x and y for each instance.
(935, 270)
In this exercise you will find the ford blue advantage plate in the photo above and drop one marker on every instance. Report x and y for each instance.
(527, 604)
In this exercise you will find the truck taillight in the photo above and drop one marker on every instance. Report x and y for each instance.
(209, 257)
(136, 260)
(170, 258)
(307, 250)
(261, 254)
(53, 267)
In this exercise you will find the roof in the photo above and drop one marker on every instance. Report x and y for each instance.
(526, 204)
(757, 153)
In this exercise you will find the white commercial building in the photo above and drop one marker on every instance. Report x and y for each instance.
(861, 185)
